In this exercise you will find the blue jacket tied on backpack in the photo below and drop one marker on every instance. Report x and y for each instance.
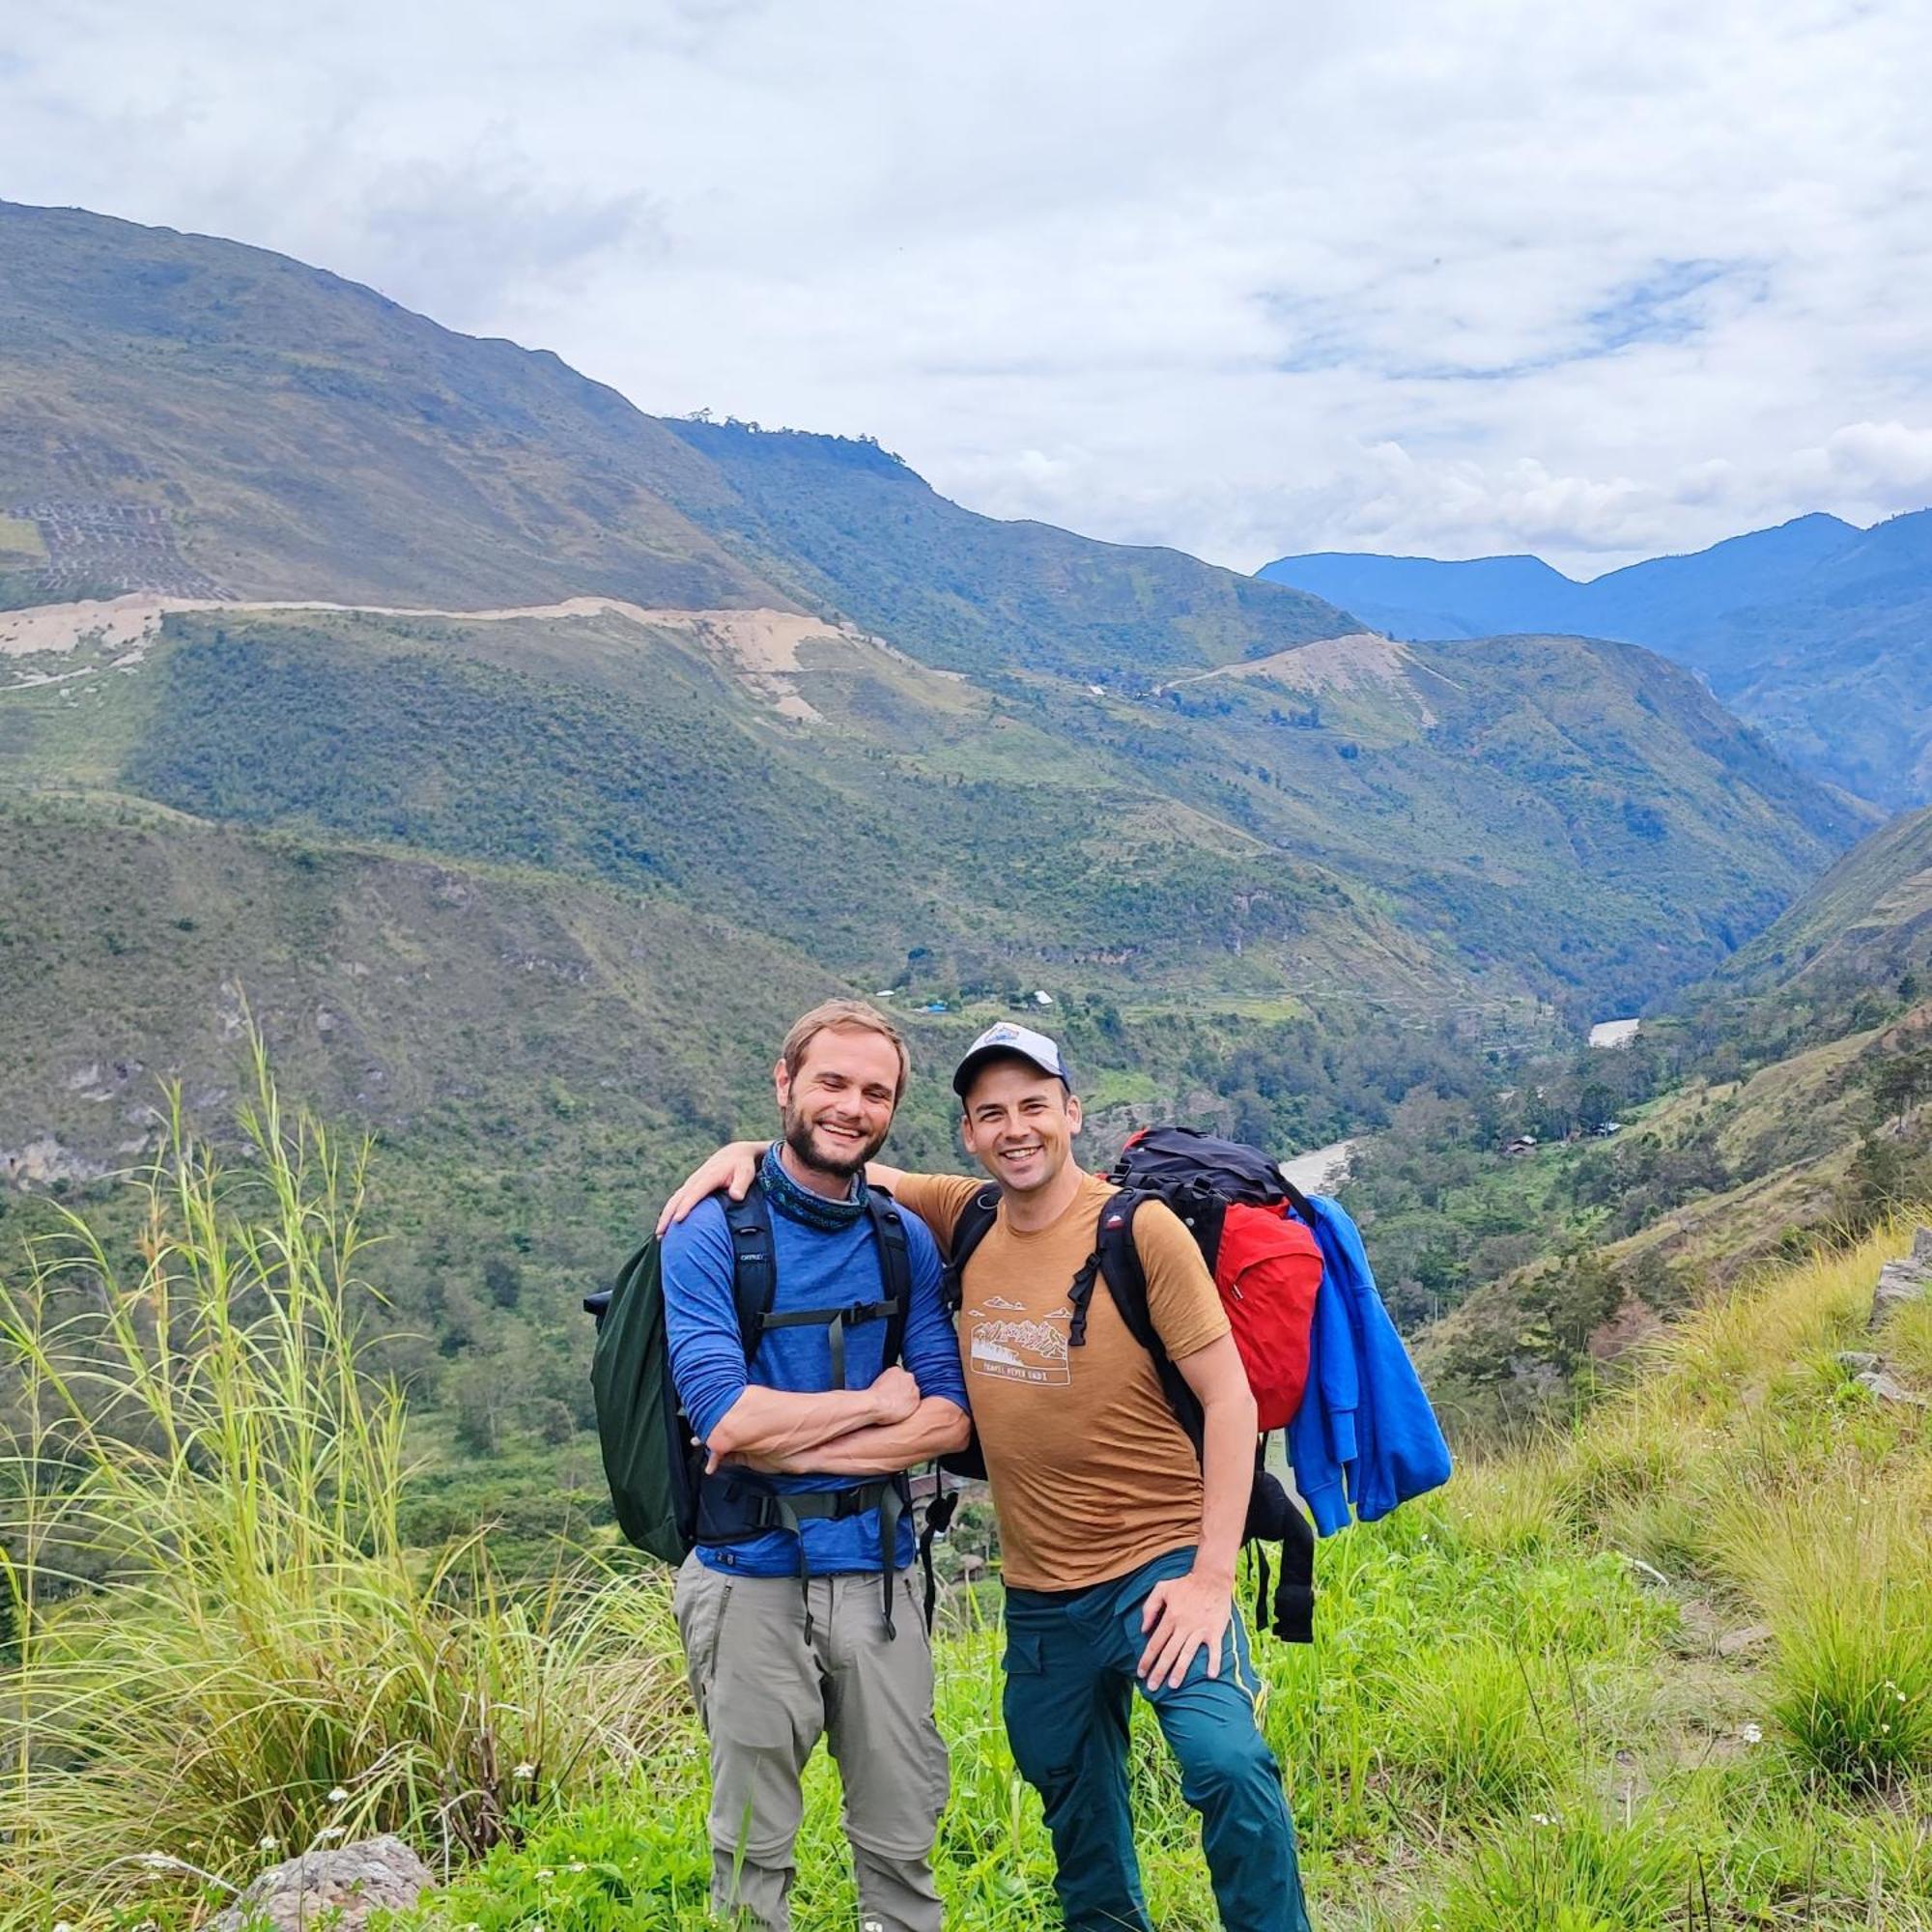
(1365, 1438)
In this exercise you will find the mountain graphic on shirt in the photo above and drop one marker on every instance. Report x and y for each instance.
(1033, 1351)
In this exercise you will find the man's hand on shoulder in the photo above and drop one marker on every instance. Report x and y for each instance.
(732, 1168)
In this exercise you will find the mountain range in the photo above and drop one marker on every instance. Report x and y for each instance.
(1024, 745)
(520, 763)
(1817, 631)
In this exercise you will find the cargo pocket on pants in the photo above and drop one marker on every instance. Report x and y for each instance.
(698, 1602)
(1029, 1729)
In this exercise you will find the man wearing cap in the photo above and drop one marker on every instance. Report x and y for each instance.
(1118, 1545)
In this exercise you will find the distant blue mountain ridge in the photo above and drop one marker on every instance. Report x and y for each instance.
(1816, 630)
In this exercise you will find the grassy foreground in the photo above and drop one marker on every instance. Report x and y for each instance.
(1670, 1668)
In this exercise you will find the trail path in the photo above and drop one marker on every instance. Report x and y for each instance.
(762, 646)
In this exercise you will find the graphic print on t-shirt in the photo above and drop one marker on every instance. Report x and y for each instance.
(1005, 1341)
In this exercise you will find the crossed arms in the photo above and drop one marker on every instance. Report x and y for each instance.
(843, 1432)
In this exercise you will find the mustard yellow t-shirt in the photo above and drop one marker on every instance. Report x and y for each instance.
(1092, 1474)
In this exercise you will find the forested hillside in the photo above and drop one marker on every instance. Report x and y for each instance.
(1782, 1106)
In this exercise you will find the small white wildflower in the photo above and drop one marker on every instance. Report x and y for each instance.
(267, 1842)
(1753, 1734)
(157, 1861)
(1884, 1728)
(339, 1796)
(61, 1925)
(524, 1771)
(1540, 1818)
(576, 1864)
(1900, 1695)
(544, 1871)
(329, 1832)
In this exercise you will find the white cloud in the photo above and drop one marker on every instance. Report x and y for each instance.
(1249, 278)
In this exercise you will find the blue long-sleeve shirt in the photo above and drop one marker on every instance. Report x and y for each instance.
(815, 1269)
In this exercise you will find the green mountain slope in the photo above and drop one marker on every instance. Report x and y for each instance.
(1868, 920)
(1536, 799)
(186, 413)
(693, 723)
(1785, 1102)
(1817, 631)
(847, 524)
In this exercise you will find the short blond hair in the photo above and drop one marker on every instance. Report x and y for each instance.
(843, 1016)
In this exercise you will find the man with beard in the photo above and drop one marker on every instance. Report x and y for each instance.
(788, 1629)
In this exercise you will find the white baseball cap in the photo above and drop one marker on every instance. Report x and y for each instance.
(1006, 1041)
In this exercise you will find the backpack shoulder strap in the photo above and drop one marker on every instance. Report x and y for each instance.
(1119, 1259)
(754, 1275)
(976, 1221)
(895, 1267)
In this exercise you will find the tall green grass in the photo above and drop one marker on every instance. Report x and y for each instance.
(222, 1650)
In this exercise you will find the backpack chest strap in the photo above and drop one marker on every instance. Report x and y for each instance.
(835, 1321)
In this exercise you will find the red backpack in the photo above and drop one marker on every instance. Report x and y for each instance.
(1236, 1204)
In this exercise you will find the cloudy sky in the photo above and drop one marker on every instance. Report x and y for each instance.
(1248, 279)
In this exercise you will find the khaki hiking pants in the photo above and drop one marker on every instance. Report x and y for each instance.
(765, 1697)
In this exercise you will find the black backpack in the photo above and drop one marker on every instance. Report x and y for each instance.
(1286, 1606)
(664, 1502)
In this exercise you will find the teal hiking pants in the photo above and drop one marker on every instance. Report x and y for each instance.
(1071, 1684)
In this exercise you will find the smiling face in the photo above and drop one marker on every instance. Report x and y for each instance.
(838, 1104)
(1019, 1125)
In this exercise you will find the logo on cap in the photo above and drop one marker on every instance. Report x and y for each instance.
(1005, 1037)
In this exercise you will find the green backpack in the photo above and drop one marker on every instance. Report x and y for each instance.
(647, 1443)
(664, 1502)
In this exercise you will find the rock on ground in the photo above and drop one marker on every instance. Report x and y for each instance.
(1903, 1281)
(337, 1889)
(1887, 1387)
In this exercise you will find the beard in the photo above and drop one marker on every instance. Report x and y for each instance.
(803, 1139)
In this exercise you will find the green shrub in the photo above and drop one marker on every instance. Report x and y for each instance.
(1841, 1569)
(1468, 1722)
(625, 1863)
